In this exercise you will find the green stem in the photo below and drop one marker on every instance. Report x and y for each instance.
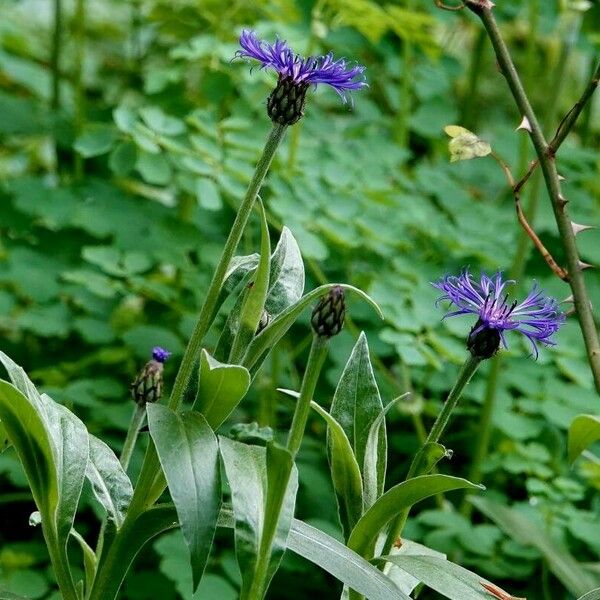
(547, 162)
(207, 312)
(60, 564)
(484, 427)
(464, 376)
(316, 358)
(139, 414)
(55, 54)
(142, 497)
(79, 24)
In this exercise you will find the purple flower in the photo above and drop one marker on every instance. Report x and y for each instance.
(341, 76)
(538, 317)
(160, 354)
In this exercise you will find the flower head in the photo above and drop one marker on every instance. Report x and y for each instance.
(148, 384)
(310, 70)
(296, 73)
(160, 354)
(538, 317)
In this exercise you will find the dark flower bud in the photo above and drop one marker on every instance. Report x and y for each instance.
(483, 341)
(148, 384)
(328, 315)
(285, 105)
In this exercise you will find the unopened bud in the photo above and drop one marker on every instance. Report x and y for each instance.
(148, 384)
(328, 315)
(285, 105)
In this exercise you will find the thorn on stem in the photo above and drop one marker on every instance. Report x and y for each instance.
(583, 265)
(578, 228)
(562, 202)
(525, 124)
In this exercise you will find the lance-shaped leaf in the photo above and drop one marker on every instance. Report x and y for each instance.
(345, 472)
(53, 447)
(356, 406)
(188, 452)
(593, 595)
(4, 441)
(263, 483)
(560, 561)
(286, 283)
(254, 300)
(263, 343)
(448, 579)
(372, 461)
(583, 432)
(428, 456)
(394, 501)
(110, 484)
(220, 389)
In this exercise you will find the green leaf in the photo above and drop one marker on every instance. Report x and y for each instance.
(394, 501)
(207, 194)
(254, 300)
(356, 406)
(583, 432)
(372, 462)
(110, 484)
(188, 452)
(465, 145)
(268, 337)
(448, 579)
(428, 456)
(4, 441)
(566, 568)
(345, 472)
(593, 595)
(95, 140)
(344, 564)
(123, 158)
(263, 486)
(287, 274)
(134, 535)
(220, 389)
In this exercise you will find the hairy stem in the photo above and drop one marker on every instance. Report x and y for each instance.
(207, 312)
(464, 376)
(135, 424)
(316, 358)
(548, 165)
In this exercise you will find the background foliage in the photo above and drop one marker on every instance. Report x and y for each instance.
(117, 182)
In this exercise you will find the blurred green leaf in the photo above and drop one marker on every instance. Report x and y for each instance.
(95, 140)
(583, 432)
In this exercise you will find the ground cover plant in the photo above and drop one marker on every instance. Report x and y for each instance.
(299, 298)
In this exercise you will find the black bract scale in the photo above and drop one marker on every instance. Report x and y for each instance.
(328, 315)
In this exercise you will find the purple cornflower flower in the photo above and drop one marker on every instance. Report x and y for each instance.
(160, 354)
(296, 73)
(538, 317)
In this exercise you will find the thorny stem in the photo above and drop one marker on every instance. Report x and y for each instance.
(464, 376)
(518, 265)
(547, 161)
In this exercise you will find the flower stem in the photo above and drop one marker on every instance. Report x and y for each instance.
(547, 162)
(316, 358)
(464, 376)
(207, 312)
(135, 424)
(146, 493)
